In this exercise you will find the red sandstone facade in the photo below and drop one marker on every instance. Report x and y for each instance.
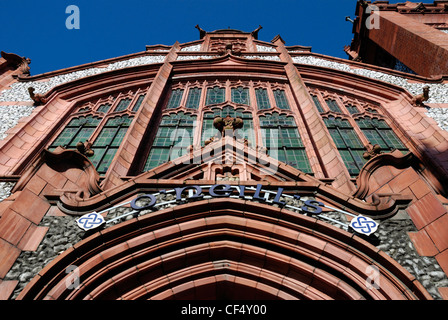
(221, 247)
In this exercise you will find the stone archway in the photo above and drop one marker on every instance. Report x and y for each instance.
(230, 249)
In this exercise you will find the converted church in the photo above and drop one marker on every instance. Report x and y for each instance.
(230, 167)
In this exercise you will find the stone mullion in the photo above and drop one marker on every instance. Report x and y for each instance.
(127, 152)
(326, 162)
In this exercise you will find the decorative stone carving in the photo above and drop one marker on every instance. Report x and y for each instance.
(20, 63)
(255, 32)
(202, 32)
(226, 126)
(235, 47)
(372, 151)
(84, 148)
(36, 97)
(419, 99)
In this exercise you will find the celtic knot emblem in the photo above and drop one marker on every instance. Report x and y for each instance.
(364, 225)
(90, 221)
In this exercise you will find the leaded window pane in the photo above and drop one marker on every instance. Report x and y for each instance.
(78, 129)
(352, 109)
(298, 159)
(347, 142)
(194, 96)
(123, 104)
(317, 103)
(108, 142)
(282, 139)
(350, 162)
(215, 95)
(262, 99)
(174, 136)
(138, 103)
(65, 137)
(333, 105)
(240, 95)
(157, 156)
(175, 98)
(378, 132)
(280, 99)
(104, 108)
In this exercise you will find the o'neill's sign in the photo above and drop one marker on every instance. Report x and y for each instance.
(310, 207)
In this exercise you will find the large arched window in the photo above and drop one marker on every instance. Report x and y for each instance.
(282, 140)
(103, 122)
(174, 135)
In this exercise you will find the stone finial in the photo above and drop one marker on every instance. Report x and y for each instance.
(202, 32)
(420, 98)
(255, 32)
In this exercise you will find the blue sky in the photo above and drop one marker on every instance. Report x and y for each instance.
(37, 29)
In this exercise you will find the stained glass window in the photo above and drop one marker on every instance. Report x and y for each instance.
(108, 142)
(174, 136)
(240, 95)
(333, 105)
(280, 99)
(123, 104)
(194, 96)
(378, 132)
(175, 98)
(104, 108)
(317, 103)
(78, 130)
(215, 95)
(348, 143)
(138, 103)
(351, 108)
(282, 139)
(262, 99)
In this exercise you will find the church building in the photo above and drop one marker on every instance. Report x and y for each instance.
(229, 167)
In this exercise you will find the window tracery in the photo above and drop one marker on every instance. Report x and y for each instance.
(102, 123)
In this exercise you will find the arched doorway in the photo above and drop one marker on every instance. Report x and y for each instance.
(224, 249)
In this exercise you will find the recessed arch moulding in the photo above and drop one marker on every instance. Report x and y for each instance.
(224, 249)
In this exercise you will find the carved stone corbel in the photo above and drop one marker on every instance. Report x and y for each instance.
(36, 97)
(418, 100)
(17, 62)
